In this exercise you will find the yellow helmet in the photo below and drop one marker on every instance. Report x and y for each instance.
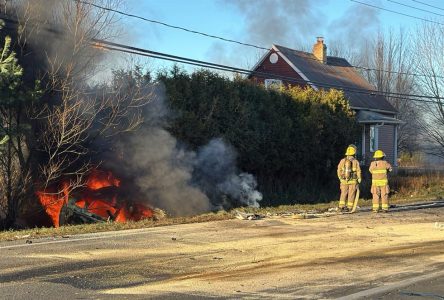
(350, 151)
(378, 154)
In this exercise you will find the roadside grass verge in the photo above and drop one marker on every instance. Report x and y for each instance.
(406, 188)
(65, 231)
(417, 183)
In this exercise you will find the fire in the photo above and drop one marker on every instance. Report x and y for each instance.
(98, 200)
(101, 179)
(53, 202)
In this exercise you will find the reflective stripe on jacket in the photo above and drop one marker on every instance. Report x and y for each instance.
(379, 170)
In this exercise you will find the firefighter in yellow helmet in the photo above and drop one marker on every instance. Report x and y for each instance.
(349, 174)
(380, 188)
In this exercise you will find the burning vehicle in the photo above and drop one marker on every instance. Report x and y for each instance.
(73, 120)
(101, 199)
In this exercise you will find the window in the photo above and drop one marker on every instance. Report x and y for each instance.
(272, 83)
(373, 138)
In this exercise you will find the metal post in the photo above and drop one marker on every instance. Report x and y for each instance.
(395, 148)
(363, 143)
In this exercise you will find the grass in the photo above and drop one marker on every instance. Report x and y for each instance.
(64, 231)
(406, 187)
(408, 184)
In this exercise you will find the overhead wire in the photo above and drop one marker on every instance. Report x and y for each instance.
(101, 44)
(171, 26)
(417, 8)
(98, 43)
(235, 41)
(397, 12)
(427, 4)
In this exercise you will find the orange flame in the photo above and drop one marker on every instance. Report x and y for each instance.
(100, 179)
(106, 209)
(53, 202)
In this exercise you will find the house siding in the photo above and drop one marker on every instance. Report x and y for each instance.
(368, 155)
(386, 133)
(386, 136)
(280, 68)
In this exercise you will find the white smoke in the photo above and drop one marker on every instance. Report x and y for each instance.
(243, 188)
(216, 174)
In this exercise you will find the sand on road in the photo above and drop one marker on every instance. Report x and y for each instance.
(269, 258)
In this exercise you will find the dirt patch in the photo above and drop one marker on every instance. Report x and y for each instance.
(262, 259)
(302, 258)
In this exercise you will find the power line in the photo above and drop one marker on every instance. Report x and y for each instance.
(396, 12)
(234, 41)
(426, 4)
(417, 8)
(97, 43)
(171, 26)
(164, 56)
(230, 68)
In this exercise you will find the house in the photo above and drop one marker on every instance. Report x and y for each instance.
(377, 117)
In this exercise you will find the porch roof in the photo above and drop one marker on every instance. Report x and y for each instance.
(371, 117)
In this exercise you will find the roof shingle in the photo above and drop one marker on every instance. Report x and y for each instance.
(338, 73)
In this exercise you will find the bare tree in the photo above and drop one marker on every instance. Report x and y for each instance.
(68, 124)
(391, 64)
(430, 62)
(58, 35)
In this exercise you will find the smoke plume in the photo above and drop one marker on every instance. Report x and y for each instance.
(354, 28)
(153, 166)
(215, 173)
(295, 24)
(163, 173)
(279, 21)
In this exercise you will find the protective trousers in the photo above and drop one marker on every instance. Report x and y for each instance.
(380, 197)
(348, 193)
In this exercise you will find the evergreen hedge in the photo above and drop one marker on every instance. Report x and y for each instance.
(290, 139)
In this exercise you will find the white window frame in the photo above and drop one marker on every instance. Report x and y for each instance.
(374, 138)
(272, 83)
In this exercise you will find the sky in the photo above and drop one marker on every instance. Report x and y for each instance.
(291, 23)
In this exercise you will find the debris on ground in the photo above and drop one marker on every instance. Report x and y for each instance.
(22, 236)
(247, 216)
(439, 225)
(297, 214)
(333, 211)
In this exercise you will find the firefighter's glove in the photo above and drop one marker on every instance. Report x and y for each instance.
(359, 180)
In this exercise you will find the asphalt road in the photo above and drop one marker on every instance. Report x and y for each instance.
(77, 267)
(393, 256)
(431, 288)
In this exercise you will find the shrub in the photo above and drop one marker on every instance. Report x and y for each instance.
(291, 139)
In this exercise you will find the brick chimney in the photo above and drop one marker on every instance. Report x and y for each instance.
(320, 50)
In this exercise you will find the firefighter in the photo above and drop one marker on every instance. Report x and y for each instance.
(380, 188)
(349, 174)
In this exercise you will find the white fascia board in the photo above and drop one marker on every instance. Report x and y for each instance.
(296, 69)
(260, 61)
(381, 122)
(374, 109)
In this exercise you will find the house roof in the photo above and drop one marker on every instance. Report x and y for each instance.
(337, 73)
(371, 117)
